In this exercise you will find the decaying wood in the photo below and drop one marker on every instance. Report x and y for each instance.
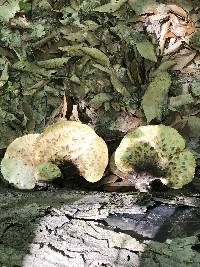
(77, 228)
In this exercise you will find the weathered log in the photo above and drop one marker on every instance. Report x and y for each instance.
(77, 228)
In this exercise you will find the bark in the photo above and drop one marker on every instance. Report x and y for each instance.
(77, 228)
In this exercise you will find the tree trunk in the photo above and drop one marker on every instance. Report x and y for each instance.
(77, 228)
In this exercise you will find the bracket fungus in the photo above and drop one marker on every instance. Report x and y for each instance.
(158, 150)
(35, 158)
(75, 142)
(17, 166)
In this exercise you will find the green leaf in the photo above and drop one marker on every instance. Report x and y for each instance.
(24, 5)
(156, 96)
(31, 68)
(8, 9)
(12, 86)
(11, 38)
(53, 62)
(142, 6)
(195, 40)
(164, 66)
(38, 31)
(146, 50)
(118, 86)
(181, 100)
(99, 99)
(111, 7)
(97, 55)
(94, 53)
(196, 89)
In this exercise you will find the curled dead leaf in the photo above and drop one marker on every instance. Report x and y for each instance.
(182, 60)
(178, 11)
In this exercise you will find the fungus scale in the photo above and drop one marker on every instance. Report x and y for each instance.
(158, 149)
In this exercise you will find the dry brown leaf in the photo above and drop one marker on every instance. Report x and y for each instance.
(178, 11)
(182, 60)
(110, 179)
(181, 28)
(170, 35)
(64, 109)
(74, 116)
(158, 17)
(176, 27)
(176, 121)
(164, 30)
(173, 48)
(126, 122)
(193, 68)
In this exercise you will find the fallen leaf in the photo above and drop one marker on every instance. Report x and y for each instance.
(181, 60)
(143, 6)
(165, 65)
(173, 48)
(196, 89)
(53, 62)
(94, 53)
(97, 55)
(178, 10)
(111, 7)
(98, 100)
(126, 122)
(31, 90)
(118, 86)
(146, 50)
(8, 9)
(156, 96)
(180, 100)
(163, 33)
(74, 116)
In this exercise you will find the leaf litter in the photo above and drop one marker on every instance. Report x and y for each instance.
(120, 64)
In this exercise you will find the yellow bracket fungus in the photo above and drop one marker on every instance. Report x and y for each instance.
(70, 141)
(35, 158)
(17, 166)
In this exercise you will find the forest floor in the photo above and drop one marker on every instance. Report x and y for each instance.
(98, 62)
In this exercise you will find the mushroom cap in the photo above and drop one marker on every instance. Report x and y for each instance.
(158, 146)
(75, 142)
(181, 170)
(17, 166)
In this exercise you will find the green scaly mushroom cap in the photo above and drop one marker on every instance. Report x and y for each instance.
(159, 148)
